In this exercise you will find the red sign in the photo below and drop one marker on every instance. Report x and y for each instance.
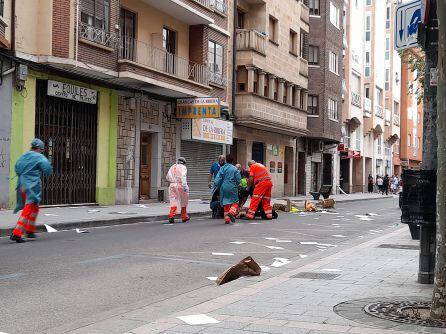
(341, 147)
(356, 154)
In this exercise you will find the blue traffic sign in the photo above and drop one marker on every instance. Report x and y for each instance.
(407, 17)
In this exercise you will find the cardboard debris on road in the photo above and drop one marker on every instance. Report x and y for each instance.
(328, 203)
(309, 206)
(246, 267)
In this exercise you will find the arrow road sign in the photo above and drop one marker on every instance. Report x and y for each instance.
(408, 15)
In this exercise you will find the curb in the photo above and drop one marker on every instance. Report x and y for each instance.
(102, 222)
(342, 201)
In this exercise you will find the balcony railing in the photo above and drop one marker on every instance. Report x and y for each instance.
(97, 35)
(305, 13)
(379, 111)
(217, 78)
(251, 40)
(388, 117)
(303, 67)
(163, 61)
(367, 105)
(218, 5)
(396, 120)
(356, 99)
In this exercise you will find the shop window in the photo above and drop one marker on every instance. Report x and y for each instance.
(279, 167)
(272, 167)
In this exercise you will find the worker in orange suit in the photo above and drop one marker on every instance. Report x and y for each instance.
(178, 190)
(29, 169)
(260, 179)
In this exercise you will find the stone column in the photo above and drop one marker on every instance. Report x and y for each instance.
(289, 95)
(281, 90)
(251, 72)
(297, 97)
(304, 100)
(271, 85)
(261, 87)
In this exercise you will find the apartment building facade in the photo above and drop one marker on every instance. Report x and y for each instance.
(410, 145)
(271, 89)
(99, 81)
(324, 93)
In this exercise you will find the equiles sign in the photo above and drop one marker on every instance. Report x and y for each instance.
(202, 107)
(207, 129)
(72, 92)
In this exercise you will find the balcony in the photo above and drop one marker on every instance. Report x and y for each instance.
(396, 120)
(388, 119)
(251, 40)
(260, 112)
(379, 111)
(97, 36)
(367, 108)
(303, 67)
(305, 13)
(217, 78)
(356, 99)
(218, 5)
(148, 56)
(184, 10)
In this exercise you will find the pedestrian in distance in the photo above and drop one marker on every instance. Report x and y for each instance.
(386, 184)
(260, 180)
(370, 184)
(379, 183)
(228, 180)
(178, 190)
(29, 169)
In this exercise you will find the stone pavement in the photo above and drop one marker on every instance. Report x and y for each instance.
(69, 217)
(277, 302)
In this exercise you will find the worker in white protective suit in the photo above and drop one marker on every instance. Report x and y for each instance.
(178, 190)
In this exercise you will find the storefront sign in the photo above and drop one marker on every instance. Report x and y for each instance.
(275, 150)
(205, 107)
(72, 92)
(207, 129)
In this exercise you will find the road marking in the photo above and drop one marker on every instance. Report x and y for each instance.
(108, 258)
(274, 247)
(223, 254)
(11, 276)
(238, 242)
(198, 319)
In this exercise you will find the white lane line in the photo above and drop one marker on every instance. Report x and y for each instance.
(223, 254)
(198, 319)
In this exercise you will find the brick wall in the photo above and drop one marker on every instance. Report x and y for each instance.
(61, 28)
(126, 145)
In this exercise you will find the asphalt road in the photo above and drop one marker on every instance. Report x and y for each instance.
(61, 278)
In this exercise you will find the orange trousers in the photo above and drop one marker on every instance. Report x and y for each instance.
(27, 219)
(173, 213)
(230, 209)
(262, 194)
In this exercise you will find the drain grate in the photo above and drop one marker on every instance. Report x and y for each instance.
(311, 275)
(392, 246)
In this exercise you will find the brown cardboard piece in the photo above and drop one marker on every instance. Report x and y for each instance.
(246, 267)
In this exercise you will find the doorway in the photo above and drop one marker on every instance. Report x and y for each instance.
(345, 175)
(315, 176)
(145, 166)
(128, 34)
(301, 173)
(288, 173)
(327, 173)
(258, 152)
(169, 45)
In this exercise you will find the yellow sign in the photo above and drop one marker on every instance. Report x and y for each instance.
(202, 107)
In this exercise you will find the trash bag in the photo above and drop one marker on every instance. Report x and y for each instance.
(246, 267)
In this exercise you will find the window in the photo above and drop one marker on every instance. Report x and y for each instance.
(409, 140)
(334, 15)
(334, 63)
(368, 2)
(358, 139)
(387, 150)
(388, 17)
(303, 45)
(313, 57)
(240, 19)
(409, 113)
(367, 28)
(387, 84)
(380, 144)
(312, 105)
(96, 13)
(333, 109)
(367, 64)
(355, 84)
(273, 30)
(215, 58)
(367, 92)
(2, 6)
(169, 40)
(397, 147)
(387, 48)
(314, 7)
(293, 42)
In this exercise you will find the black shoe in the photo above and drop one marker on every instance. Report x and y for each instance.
(31, 235)
(185, 220)
(231, 217)
(17, 239)
(171, 220)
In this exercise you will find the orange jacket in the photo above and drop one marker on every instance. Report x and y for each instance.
(258, 172)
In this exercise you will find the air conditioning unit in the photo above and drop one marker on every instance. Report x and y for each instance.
(318, 146)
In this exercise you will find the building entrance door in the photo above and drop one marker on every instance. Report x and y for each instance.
(69, 130)
(258, 152)
(145, 169)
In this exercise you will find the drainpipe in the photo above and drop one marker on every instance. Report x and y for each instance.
(77, 32)
(234, 58)
(13, 22)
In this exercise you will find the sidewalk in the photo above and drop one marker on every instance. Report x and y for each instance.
(92, 216)
(279, 302)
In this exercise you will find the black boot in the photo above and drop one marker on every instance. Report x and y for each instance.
(31, 235)
(17, 239)
(171, 220)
